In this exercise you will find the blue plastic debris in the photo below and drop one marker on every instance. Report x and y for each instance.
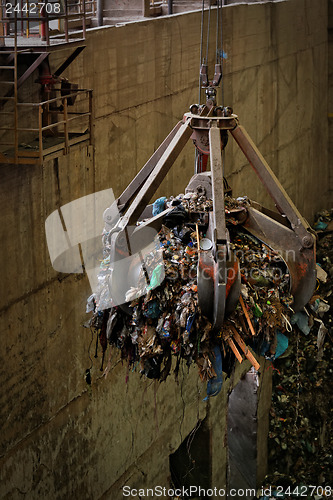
(301, 320)
(282, 344)
(320, 226)
(222, 54)
(214, 385)
(153, 310)
(189, 323)
(158, 205)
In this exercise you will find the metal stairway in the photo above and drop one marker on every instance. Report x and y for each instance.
(59, 115)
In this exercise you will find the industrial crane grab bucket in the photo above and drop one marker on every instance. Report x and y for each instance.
(218, 270)
(208, 305)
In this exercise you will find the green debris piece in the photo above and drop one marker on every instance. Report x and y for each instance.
(260, 281)
(257, 311)
(157, 277)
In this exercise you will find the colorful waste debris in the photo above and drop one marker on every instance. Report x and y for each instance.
(300, 437)
(162, 320)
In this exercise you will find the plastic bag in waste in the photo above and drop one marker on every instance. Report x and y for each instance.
(153, 310)
(157, 277)
(158, 205)
(176, 217)
(214, 385)
(90, 303)
(301, 320)
(282, 344)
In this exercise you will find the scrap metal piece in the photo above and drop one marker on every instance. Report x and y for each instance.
(200, 183)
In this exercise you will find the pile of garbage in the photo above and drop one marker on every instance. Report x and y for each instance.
(300, 437)
(162, 319)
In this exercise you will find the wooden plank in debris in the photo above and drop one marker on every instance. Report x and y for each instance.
(234, 349)
(245, 349)
(246, 315)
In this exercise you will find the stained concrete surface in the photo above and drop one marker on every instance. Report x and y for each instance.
(58, 440)
(330, 94)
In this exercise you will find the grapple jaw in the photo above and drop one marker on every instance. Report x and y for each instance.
(301, 262)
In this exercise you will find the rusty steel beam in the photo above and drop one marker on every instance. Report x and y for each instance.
(219, 228)
(217, 184)
(117, 209)
(69, 60)
(138, 181)
(32, 68)
(158, 173)
(296, 244)
(273, 186)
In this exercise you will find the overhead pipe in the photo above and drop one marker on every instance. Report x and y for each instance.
(44, 26)
(100, 5)
(146, 8)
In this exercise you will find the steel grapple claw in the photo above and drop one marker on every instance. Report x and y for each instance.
(218, 272)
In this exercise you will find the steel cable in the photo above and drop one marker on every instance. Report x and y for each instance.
(208, 32)
(201, 44)
(221, 51)
(217, 31)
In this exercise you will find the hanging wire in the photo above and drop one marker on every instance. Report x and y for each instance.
(221, 31)
(217, 31)
(208, 31)
(218, 52)
(221, 50)
(201, 43)
(218, 43)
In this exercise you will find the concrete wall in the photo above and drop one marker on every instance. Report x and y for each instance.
(145, 76)
(58, 439)
(277, 84)
(330, 94)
